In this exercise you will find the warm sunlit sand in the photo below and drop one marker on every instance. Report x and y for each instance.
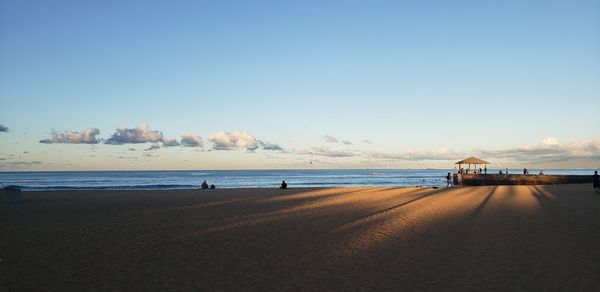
(475, 238)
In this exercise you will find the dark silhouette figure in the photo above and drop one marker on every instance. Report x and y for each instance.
(525, 171)
(449, 180)
(596, 181)
(485, 170)
(204, 186)
(283, 185)
(212, 187)
(500, 172)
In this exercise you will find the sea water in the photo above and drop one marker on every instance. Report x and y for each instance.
(147, 180)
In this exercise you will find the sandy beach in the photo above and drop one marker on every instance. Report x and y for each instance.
(473, 238)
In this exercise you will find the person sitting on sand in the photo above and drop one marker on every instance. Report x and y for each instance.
(596, 181)
(283, 185)
(212, 187)
(449, 180)
(500, 172)
(204, 186)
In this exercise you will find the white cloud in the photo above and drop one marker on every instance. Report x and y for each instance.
(346, 142)
(24, 163)
(413, 155)
(191, 140)
(324, 151)
(550, 141)
(168, 142)
(153, 146)
(87, 136)
(549, 151)
(232, 141)
(141, 134)
(269, 146)
(330, 139)
(149, 154)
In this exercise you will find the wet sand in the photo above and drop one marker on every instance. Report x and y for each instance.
(473, 238)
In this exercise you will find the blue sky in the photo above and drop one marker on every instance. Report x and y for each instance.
(423, 81)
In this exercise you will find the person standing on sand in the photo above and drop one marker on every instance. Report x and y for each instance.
(459, 179)
(449, 180)
(596, 181)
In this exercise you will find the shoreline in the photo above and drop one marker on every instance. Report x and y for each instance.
(184, 180)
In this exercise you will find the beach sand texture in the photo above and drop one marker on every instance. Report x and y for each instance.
(491, 238)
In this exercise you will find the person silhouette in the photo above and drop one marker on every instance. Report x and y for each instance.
(283, 185)
(449, 180)
(204, 186)
(596, 181)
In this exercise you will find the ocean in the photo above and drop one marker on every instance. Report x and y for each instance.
(150, 180)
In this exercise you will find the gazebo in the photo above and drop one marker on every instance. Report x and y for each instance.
(472, 160)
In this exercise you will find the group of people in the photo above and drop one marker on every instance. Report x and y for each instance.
(526, 171)
(207, 188)
(450, 183)
(471, 171)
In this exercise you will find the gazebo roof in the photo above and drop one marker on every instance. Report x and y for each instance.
(472, 160)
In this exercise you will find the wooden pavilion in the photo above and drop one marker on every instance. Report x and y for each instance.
(472, 160)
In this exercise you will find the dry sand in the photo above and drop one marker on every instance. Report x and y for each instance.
(475, 238)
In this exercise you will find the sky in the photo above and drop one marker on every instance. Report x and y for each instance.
(147, 85)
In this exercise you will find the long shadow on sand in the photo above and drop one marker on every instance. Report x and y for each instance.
(434, 192)
(540, 196)
(293, 196)
(485, 201)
